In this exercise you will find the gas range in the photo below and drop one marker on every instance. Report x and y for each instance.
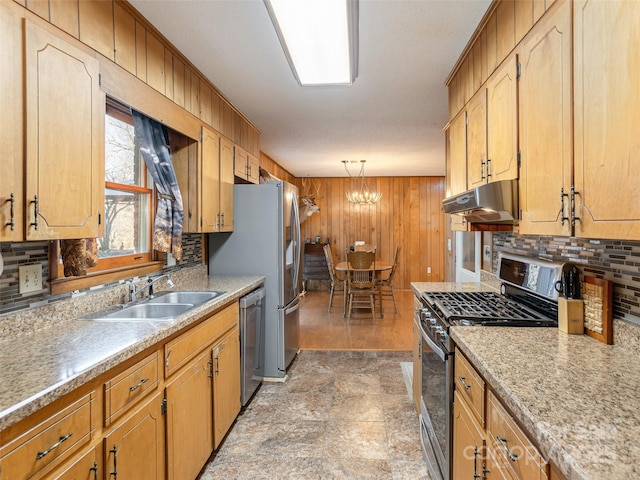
(528, 297)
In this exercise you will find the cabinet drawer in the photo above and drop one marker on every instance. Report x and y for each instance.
(127, 388)
(511, 446)
(48, 443)
(470, 385)
(179, 351)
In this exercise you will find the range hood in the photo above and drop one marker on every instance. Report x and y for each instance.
(495, 202)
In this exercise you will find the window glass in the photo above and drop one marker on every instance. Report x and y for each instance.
(127, 198)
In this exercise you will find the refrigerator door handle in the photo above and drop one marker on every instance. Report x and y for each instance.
(292, 308)
(297, 245)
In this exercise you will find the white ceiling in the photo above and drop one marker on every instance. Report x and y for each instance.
(392, 115)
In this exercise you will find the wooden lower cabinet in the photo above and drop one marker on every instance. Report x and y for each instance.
(136, 448)
(226, 383)
(487, 442)
(133, 422)
(86, 467)
(190, 419)
(468, 442)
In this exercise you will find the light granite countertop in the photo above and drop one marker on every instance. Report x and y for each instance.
(48, 352)
(578, 398)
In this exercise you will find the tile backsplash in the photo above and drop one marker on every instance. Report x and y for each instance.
(614, 260)
(16, 254)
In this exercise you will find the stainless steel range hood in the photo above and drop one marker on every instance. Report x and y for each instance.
(495, 202)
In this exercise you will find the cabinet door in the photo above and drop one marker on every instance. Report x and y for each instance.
(545, 124)
(240, 162)
(502, 122)
(468, 442)
(210, 172)
(135, 449)
(11, 128)
(64, 139)
(458, 154)
(607, 119)
(226, 383)
(189, 419)
(226, 185)
(253, 164)
(477, 140)
(85, 467)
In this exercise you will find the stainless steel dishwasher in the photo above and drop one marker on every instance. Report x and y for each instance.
(251, 325)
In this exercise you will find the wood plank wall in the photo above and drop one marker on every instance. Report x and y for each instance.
(409, 214)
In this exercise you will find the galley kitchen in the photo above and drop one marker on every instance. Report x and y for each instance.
(215, 263)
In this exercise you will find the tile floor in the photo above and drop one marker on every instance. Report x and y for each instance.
(340, 415)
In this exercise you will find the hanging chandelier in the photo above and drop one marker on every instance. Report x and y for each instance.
(360, 194)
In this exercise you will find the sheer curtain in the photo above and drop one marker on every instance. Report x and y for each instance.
(167, 229)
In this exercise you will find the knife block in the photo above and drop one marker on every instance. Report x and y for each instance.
(571, 315)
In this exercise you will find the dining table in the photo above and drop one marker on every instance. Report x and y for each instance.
(379, 268)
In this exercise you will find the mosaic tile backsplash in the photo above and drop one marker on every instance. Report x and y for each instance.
(614, 260)
(16, 254)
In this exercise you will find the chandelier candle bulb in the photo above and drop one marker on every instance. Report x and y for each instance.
(571, 315)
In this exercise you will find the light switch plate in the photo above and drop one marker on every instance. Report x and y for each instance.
(30, 278)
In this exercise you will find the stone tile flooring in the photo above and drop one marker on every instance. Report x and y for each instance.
(339, 415)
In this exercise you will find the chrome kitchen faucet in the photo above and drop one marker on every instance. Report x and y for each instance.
(133, 293)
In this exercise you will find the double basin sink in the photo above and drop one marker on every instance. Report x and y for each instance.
(164, 306)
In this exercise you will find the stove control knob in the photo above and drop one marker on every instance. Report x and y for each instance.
(433, 322)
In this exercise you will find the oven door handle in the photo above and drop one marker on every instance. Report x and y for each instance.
(436, 348)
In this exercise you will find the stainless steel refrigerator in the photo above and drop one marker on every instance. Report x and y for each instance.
(266, 241)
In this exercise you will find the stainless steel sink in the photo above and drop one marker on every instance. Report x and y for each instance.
(192, 297)
(165, 306)
(148, 311)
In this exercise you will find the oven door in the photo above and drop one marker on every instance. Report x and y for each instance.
(435, 418)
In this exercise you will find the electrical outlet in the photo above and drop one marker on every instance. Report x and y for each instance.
(30, 278)
(171, 260)
(429, 270)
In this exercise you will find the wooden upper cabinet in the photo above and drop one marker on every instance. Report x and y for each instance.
(65, 139)
(477, 140)
(502, 122)
(11, 131)
(210, 186)
(240, 162)
(607, 119)
(226, 185)
(545, 124)
(457, 143)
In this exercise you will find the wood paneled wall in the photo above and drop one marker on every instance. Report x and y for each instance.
(409, 214)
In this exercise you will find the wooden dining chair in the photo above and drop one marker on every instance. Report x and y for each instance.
(361, 282)
(365, 247)
(338, 280)
(385, 285)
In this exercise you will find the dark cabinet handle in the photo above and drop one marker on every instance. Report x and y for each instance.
(12, 201)
(60, 441)
(94, 469)
(34, 224)
(114, 474)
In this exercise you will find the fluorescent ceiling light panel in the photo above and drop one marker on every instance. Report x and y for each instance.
(319, 38)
